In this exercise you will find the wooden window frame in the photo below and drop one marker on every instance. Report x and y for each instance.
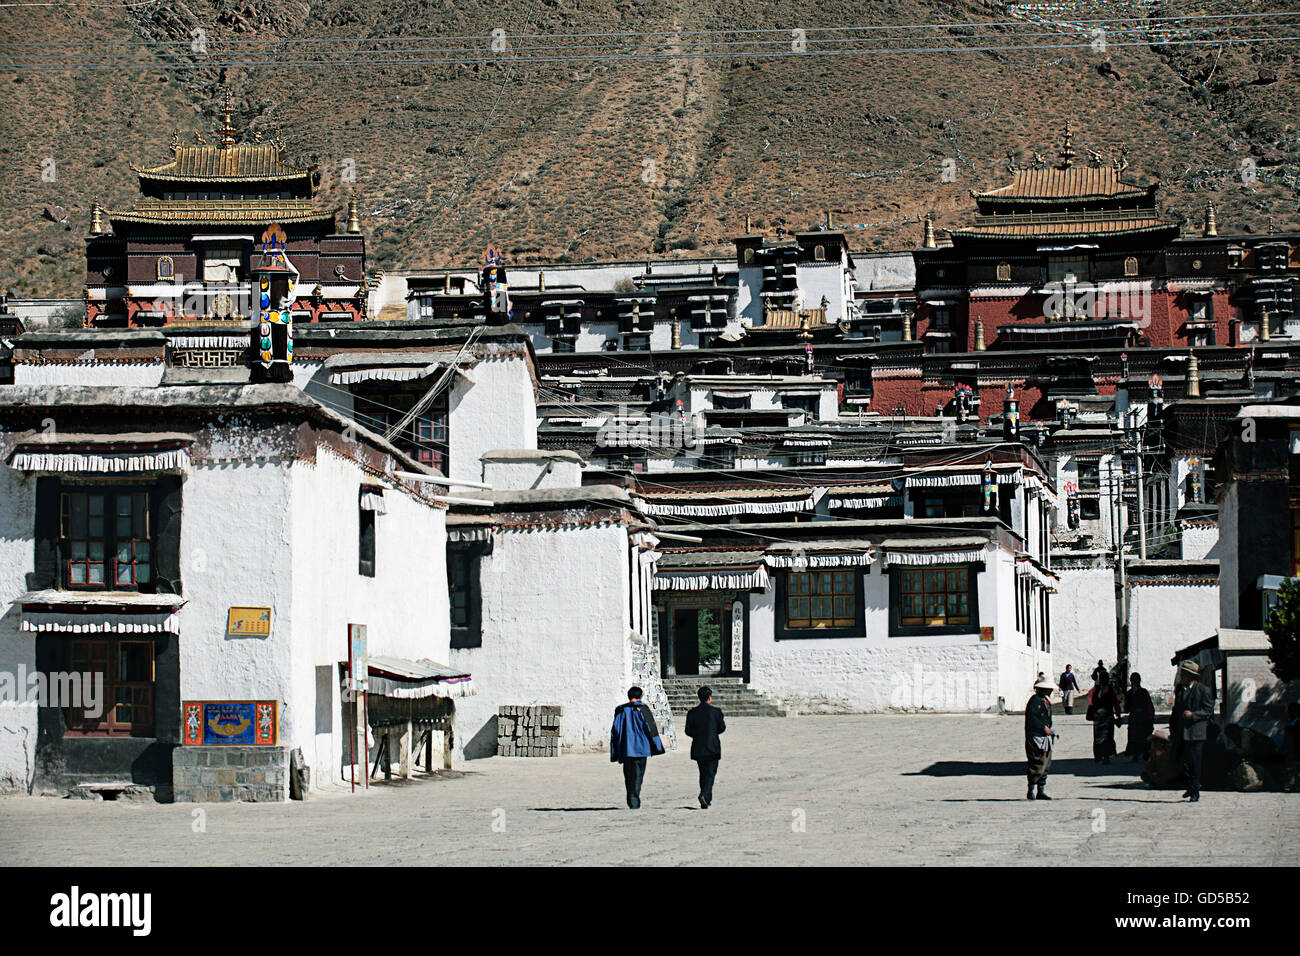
(111, 538)
(82, 659)
(906, 626)
(837, 625)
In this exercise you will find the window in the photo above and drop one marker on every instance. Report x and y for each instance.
(819, 253)
(1089, 475)
(1131, 266)
(366, 542)
(821, 599)
(424, 437)
(636, 343)
(810, 405)
(127, 705)
(1004, 272)
(934, 599)
(730, 402)
(104, 539)
(940, 320)
(463, 562)
(1068, 268)
(563, 343)
(957, 505)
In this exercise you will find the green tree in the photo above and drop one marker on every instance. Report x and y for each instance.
(709, 630)
(1283, 630)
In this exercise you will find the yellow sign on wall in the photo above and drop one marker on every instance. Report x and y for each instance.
(248, 622)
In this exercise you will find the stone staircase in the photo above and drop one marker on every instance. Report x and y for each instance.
(734, 696)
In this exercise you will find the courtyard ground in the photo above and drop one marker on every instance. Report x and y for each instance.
(876, 789)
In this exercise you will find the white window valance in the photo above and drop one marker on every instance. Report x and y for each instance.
(374, 501)
(932, 557)
(731, 508)
(1046, 580)
(841, 560)
(103, 622)
(209, 341)
(719, 393)
(460, 535)
(964, 478)
(756, 579)
(878, 501)
(395, 374)
(102, 462)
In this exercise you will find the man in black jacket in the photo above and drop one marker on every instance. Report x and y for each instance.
(1038, 739)
(1193, 708)
(703, 725)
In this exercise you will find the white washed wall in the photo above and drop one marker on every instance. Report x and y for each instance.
(555, 631)
(877, 672)
(1162, 618)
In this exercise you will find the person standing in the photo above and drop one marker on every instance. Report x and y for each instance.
(1193, 708)
(703, 725)
(633, 739)
(1103, 711)
(1099, 672)
(1038, 739)
(1141, 718)
(1069, 684)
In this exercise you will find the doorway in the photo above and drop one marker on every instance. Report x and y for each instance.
(698, 640)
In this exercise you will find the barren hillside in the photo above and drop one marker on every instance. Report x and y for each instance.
(646, 151)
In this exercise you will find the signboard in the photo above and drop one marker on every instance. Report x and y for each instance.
(737, 636)
(357, 656)
(248, 622)
(986, 633)
(230, 722)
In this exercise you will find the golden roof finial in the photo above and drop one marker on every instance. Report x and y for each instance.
(928, 242)
(226, 131)
(1067, 145)
(1211, 223)
(354, 217)
(97, 220)
(175, 140)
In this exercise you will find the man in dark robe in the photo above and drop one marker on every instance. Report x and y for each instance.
(1038, 739)
(1141, 718)
(1190, 721)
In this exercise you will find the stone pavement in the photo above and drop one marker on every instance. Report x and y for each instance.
(877, 789)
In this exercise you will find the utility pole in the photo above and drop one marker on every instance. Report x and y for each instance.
(1142, 497)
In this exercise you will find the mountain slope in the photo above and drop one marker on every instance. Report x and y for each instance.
(632, 157)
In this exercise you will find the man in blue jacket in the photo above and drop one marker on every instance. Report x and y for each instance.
(632, 740)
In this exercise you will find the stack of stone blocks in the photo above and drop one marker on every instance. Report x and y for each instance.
(532, 731)
(228, 774)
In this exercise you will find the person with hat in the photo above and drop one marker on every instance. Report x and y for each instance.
(1193, 708)
(1039, 738)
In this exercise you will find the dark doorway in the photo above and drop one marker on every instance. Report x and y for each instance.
(698, 639)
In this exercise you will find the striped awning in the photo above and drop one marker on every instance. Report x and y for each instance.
(923, 551)
(413, 680)
(103, 454)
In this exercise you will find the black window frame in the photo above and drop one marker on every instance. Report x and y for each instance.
(466, 556)
(367, 540)
(856, 630)
(898, 629)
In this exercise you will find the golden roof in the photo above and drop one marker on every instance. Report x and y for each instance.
(1065, 225)
(230, 211)
(1074, 182)
(242, 162)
